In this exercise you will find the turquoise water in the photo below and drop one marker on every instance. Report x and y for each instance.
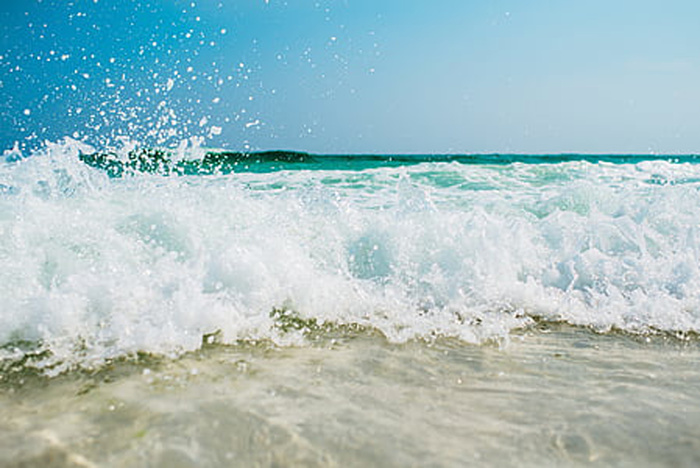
(208, 162)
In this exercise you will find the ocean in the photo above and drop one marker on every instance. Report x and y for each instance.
(198, 307)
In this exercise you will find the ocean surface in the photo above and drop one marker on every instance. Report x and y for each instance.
(523, 308)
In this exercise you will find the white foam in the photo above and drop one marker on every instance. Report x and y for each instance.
(95, 268)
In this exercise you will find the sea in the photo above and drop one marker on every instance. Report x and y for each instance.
(198, 307)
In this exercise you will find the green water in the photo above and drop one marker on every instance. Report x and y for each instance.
(223, 162)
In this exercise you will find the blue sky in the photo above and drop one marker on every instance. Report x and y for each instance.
(355, 76)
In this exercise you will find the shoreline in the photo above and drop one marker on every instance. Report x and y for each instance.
(555, 394)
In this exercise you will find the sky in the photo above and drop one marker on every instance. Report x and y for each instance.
(354, 76)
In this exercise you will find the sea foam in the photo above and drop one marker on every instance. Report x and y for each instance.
(95, 267)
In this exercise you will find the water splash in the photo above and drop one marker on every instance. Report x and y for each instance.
(97, 267)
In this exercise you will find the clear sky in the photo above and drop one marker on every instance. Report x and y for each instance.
(355, 76)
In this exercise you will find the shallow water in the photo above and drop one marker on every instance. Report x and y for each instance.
(555, 397)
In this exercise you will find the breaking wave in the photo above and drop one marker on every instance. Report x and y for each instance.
(96, 267)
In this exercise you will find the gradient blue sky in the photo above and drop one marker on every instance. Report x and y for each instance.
(355, 76)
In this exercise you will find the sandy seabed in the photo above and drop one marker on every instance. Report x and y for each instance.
(552, 396)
